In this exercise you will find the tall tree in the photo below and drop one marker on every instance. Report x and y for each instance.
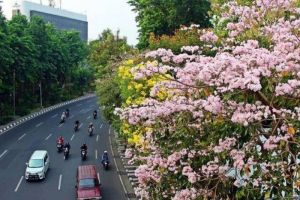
(164, 16)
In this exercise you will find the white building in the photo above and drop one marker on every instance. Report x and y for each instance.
(61, 19)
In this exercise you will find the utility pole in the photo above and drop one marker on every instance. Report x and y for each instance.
(14, 92)
(41, 94)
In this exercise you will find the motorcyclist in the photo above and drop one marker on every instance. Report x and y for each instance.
(67, 145)
(63, 117)
(91, 127)
(67, 112)
(83, 147)
(60, 140)
(104, 157)
(95, 114)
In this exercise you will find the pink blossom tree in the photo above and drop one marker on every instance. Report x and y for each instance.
(228, 125)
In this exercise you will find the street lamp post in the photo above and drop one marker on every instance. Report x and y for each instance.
(14, 93)
(41, 94)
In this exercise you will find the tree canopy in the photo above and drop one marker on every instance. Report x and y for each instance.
(35, 55)
(165, 16)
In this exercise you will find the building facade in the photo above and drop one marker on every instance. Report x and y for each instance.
(61, 19)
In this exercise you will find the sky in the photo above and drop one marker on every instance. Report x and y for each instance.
(101, 14)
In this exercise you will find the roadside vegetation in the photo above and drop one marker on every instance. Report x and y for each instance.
(212, 113)
(36, 60)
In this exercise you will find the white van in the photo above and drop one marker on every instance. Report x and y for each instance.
(37, 165)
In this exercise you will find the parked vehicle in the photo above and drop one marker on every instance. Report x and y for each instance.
(37, 165)
(87, 183)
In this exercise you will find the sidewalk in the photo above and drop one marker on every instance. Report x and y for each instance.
(126, 173)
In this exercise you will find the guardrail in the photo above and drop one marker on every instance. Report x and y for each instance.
(28, 117)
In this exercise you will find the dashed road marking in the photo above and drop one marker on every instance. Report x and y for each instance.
(39, 124)
(72, 137)
(20, 138)
(19, 183)
(53, 116)
(59, 182)
(48, 136)
(96, 154)
(98, 176)
(80, 125)
(101, 125)
(81, 111)
(78, 105)
(60, 125)
(4, 152)
(71, 116)
(97, 138)
(89, 117)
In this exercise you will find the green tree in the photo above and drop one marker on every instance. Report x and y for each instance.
(105, 54)
(165, 16)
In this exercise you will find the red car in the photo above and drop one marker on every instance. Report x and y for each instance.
(88, 185)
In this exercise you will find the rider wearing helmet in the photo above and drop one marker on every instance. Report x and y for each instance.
(83, 147)
(60, 140)
(104, 157)
(67, 145)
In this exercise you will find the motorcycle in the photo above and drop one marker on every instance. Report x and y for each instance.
(59, 147)
(76, 127)
(67, 113)
(105, 165)
(66, 153)
(95, 115)
(83, 154)
(90, 131)
(62, 120)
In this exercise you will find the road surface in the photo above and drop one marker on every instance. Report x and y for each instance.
(40, 133)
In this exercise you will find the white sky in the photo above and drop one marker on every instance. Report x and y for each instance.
(102, 14)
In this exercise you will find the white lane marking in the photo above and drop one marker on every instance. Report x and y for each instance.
(72, 137)
(3, 153)
(53, 116)
(71, 116)
(101, 125)
(20, 138)
(98, 175)
(81, 111)
(96, 154)
(117, 168)
(39, 124)
(48, 136)
(89, 117)
(78, 105)
(60, 125)
(59, 182)
(97, 138)
(80, 125)
(19, 183)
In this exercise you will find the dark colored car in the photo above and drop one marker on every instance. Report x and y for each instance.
(88, 185)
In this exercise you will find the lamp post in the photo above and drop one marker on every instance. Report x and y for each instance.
(41, 94)
(14, 93)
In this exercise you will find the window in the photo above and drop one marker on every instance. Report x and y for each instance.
(35, 163)
(88, 183)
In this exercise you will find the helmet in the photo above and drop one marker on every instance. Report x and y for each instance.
(91, 124)
(105, 152)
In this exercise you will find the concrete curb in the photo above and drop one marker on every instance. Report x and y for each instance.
(26, 118)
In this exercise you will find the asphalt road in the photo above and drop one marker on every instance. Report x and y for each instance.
(17, 145)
